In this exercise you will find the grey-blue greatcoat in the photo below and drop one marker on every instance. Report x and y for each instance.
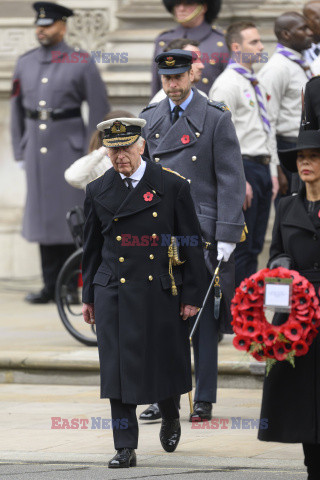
(40, 82)
(214, 53)
(212, 161)
(143, 342)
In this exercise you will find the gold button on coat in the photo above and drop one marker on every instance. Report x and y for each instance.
(43, 149)
(197, 134)
(220, 44)
(212, 62)
(42, 103)
(157, 159)
(157, 135)
(155, 214)
(44, 80)
(115, 219)
(151, 256)
(205, 80)
(121, 259)
(122, 280)
(162, 43)
(42, 126)
(154, 235)
(194, 158)
(118, 238)
(150, 278)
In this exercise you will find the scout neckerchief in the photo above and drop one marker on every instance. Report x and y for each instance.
(292, 56)
(254, 81)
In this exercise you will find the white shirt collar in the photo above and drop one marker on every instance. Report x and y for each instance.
(138, 174)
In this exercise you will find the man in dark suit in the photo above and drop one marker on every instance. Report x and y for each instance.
(135, 288)
(196, 137)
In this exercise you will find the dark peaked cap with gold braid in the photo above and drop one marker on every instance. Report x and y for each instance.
(174, 62)
(121, 132)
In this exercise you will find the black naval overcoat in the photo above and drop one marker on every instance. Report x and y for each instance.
(143, 342)
(291, 396)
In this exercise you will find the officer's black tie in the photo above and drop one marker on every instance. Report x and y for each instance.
(176, 115)
(128, 183)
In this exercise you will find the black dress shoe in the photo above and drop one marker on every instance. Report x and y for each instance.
(44, 296)
(151, 413)
(125, 458)
(170, 433)
(201, 411)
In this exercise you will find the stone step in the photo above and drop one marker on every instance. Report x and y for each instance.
(81, 367)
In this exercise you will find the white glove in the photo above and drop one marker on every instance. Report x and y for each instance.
(102, 150)
(224, 250)
(21, 164)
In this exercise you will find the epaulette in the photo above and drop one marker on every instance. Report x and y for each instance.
(172, 171)
(220, 105)
(218, 30)
(151, 105)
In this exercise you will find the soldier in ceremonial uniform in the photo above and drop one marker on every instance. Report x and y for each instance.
(140, 301)
(196, 137)
(48, 134)
(195, 18)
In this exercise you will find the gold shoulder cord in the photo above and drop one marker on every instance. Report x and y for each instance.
(244, 234)
(174, 261)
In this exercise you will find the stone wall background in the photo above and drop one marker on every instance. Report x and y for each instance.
(110, 26)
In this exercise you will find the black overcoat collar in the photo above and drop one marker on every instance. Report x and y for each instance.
(296, 215)
(114, 197)
(172, 135)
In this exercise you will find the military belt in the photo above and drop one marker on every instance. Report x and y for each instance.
(55, 114)
(262, 159)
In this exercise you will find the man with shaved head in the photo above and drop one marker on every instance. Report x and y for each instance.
(283, 77)
(311, 11)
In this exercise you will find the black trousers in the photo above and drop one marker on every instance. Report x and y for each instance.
(52, 260)
(205, 350)
(256, 218)
(312, 460)
(125, 423)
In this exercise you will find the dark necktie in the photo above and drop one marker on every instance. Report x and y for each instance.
(128, 183)
(176, 115)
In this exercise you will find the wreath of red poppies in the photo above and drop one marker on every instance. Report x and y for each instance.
(272, 343)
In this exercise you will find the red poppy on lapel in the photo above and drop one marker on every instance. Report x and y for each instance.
(268, 97)
(185, 139)
(148, 196)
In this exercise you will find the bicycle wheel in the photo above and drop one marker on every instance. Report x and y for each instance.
(69, 284)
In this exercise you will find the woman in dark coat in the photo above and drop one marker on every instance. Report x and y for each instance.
(291, 396)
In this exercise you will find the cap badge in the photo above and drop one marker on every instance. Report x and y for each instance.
(42, 13)
(170, 61)
(118, 127)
